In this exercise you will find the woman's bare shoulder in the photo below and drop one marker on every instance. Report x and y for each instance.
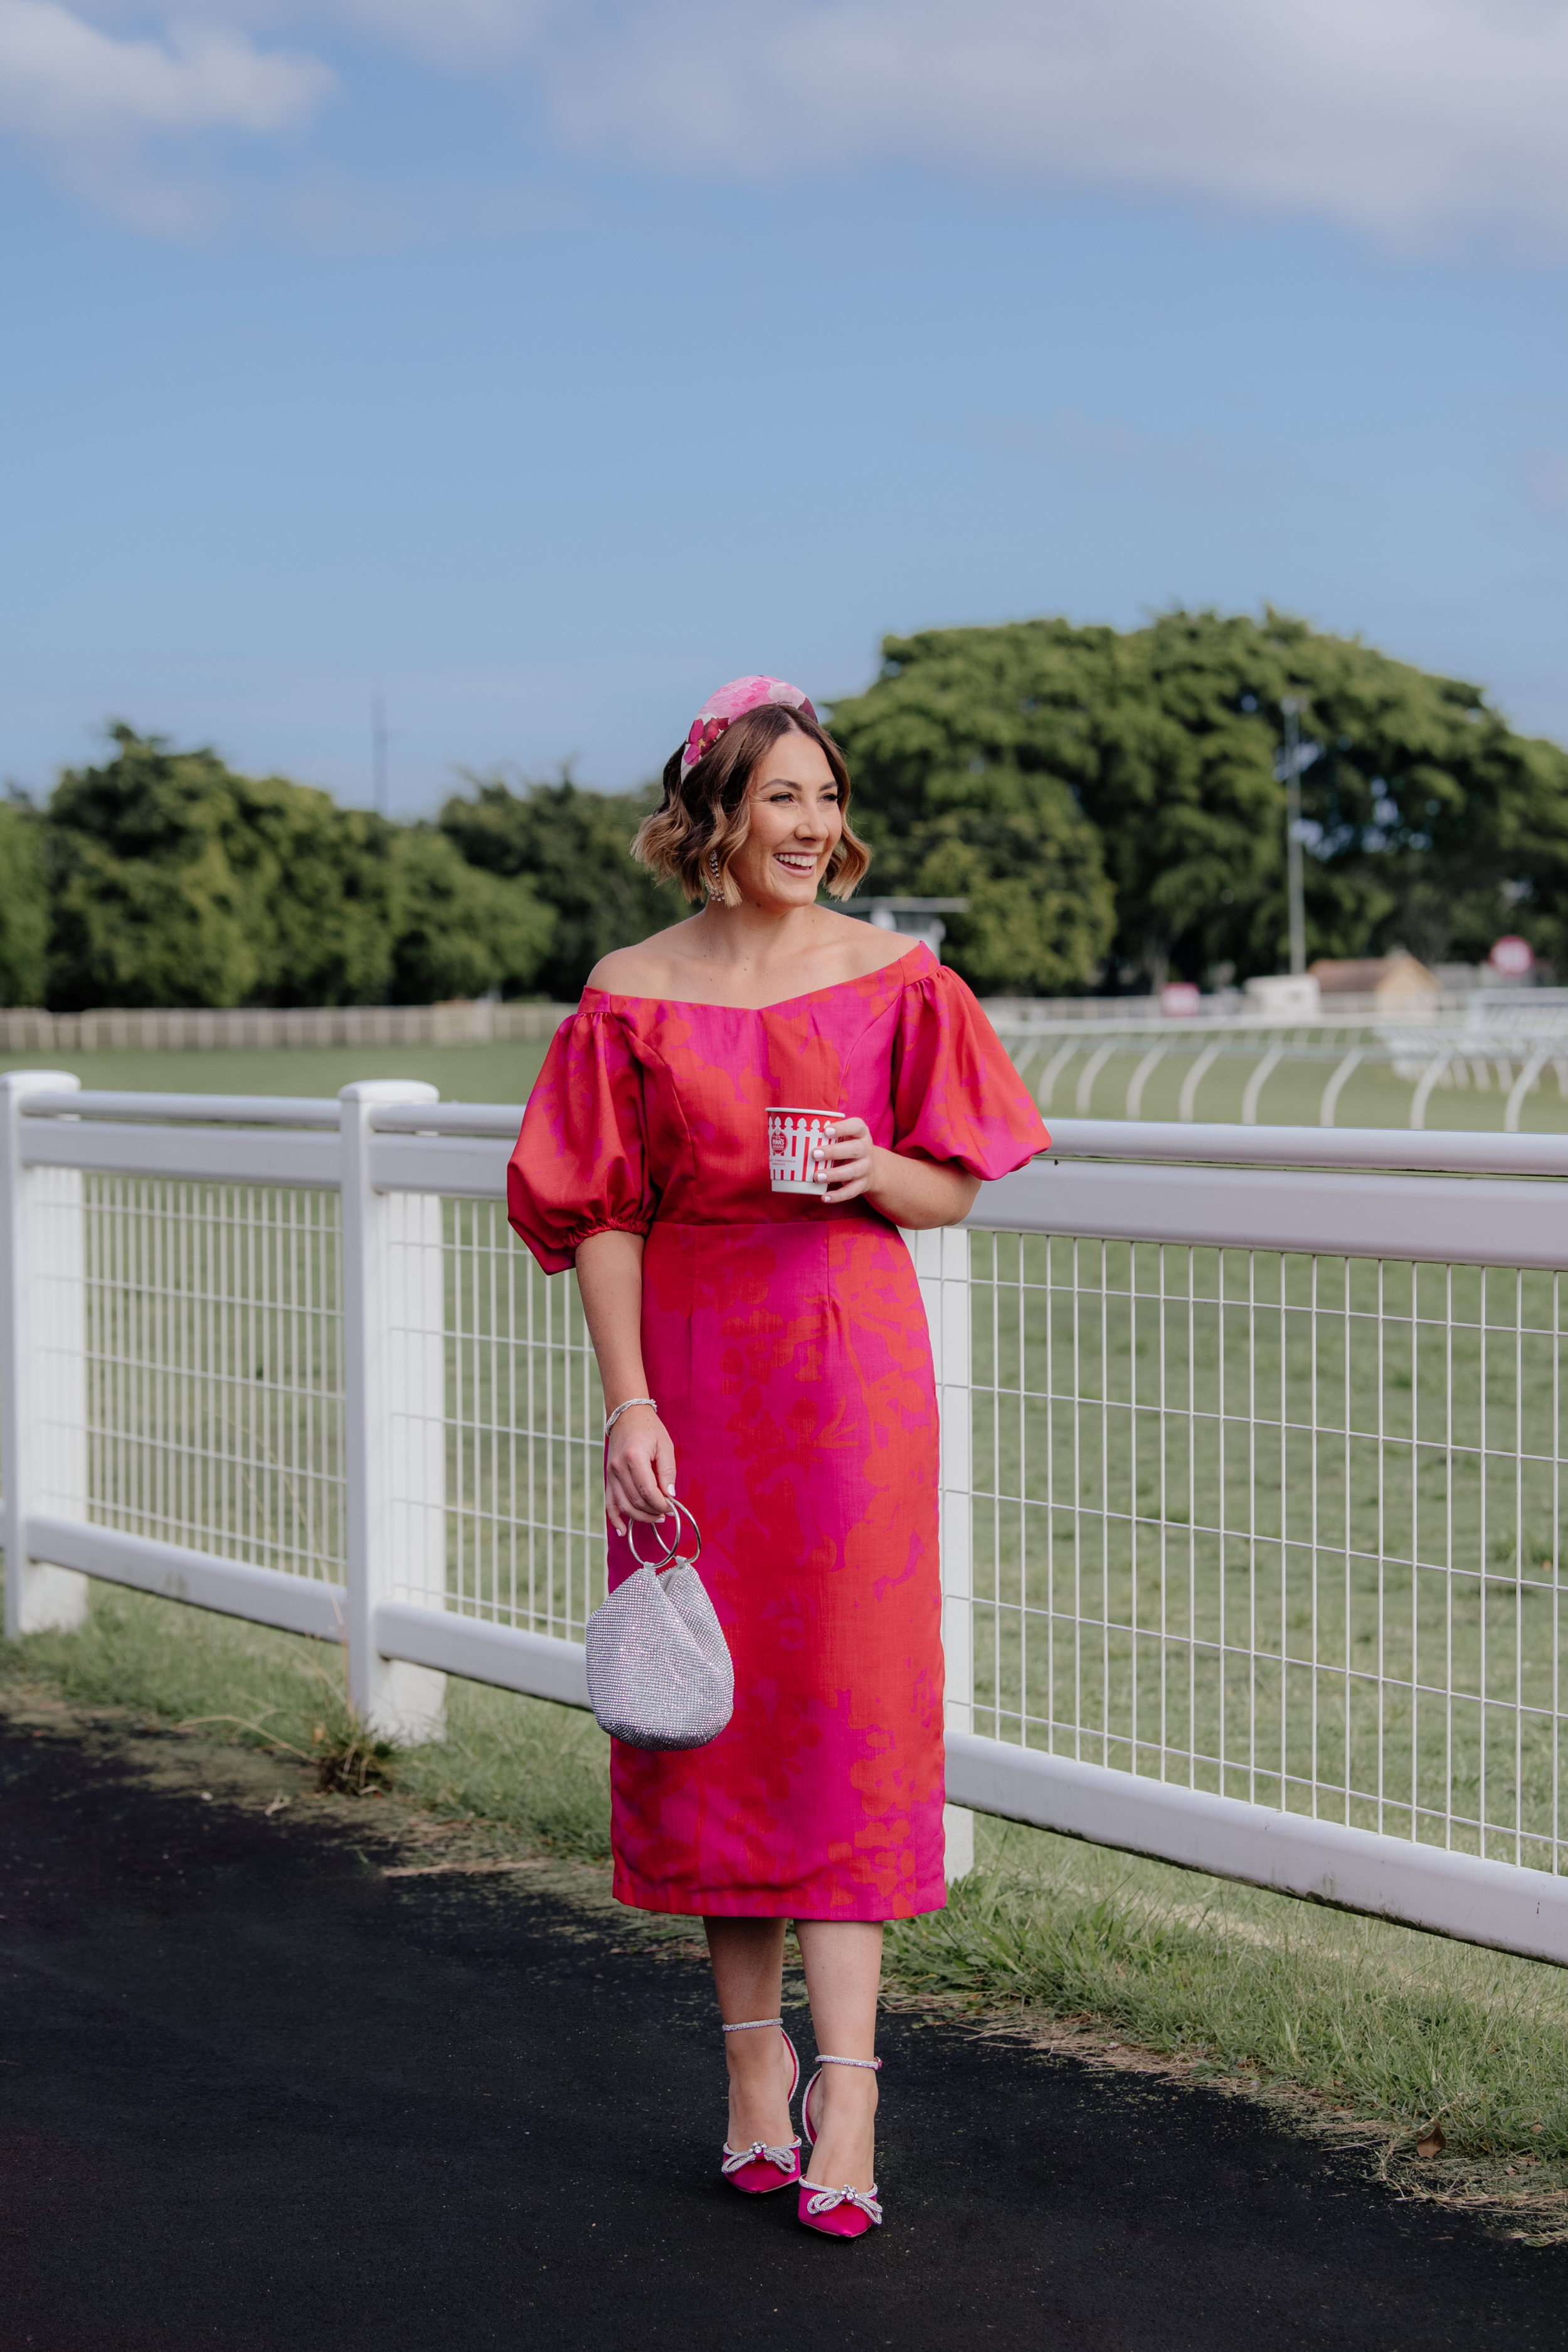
(864, 947)
(648, 968)
(836, 948)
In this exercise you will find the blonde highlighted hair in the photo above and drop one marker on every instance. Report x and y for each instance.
(706, 812)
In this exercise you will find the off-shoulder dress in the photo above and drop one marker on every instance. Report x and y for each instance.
(786, 1344)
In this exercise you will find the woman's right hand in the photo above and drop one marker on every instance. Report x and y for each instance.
(640, 1469)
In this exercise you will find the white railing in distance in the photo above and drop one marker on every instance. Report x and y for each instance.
(1499, 1045)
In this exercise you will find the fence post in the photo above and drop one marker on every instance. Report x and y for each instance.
(43, 1360)
(395, 1373)
(942, 1263)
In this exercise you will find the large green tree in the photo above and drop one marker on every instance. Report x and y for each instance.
(23, 906)
(457, 930)
(572, 848)
(982, 757)
(177, 881)
(961, 790)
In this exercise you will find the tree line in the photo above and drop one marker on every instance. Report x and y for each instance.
(1108, 801)
(164, 878)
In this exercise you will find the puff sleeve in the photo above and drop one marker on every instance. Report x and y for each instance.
(580, 1165)
(956, 1096)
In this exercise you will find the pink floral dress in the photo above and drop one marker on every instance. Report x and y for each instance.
(786, 1344)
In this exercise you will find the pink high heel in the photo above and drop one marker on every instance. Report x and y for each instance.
(760, 2169)
(837, 2212)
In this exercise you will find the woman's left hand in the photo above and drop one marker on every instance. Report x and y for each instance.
(907, 1192)
(854, 1158)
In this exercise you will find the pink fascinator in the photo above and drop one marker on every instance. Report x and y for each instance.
(732, 702)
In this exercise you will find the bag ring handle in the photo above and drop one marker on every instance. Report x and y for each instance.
(677, 1511)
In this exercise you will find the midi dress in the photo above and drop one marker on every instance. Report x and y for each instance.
(786, 1344)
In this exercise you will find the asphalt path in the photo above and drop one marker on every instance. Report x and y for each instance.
(254, 2094)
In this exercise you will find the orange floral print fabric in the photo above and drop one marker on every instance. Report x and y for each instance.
(786, 1343)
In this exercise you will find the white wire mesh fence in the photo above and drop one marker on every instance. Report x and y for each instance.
(1269, 1526)
(215, 1374)
(525, 1491)
(215, 1396)
(1279, 1527)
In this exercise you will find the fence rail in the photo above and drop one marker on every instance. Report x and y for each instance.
(1252, 1458)
(465, 1021)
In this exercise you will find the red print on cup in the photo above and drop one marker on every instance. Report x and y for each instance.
(796, 1160)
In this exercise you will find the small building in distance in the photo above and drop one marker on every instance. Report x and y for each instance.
(1284, 996)
(917, 918)
(1396, 983)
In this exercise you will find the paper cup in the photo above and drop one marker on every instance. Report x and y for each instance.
(795, 1138)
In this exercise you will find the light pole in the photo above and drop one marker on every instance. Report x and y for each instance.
(1291, 707)
(379, 740)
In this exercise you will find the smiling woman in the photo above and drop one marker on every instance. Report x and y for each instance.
(780, 1329)
(715, 793)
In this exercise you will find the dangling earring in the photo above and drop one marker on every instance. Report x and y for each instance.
(715, 890)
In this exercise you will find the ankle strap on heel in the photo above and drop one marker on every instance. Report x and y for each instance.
(873, 2064)
(755, 2025)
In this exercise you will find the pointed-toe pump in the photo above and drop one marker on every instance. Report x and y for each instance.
(844, 2212)
(760, 2169)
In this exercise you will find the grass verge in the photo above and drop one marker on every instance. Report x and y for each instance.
(1381, 2029)
(523, 1765)
(1379, 2024)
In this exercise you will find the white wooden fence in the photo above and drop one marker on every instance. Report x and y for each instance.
(1252, 1459)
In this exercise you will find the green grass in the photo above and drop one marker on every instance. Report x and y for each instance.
(464, 1073)
(1299, 1521)
(1148, 1571)
(1391, 2025)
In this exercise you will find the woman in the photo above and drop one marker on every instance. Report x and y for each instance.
(776, 1344)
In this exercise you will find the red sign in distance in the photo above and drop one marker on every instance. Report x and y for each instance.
(1515, 958)
(1179, 998)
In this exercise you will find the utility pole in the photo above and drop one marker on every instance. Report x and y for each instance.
(1291, 707)
(378, 743)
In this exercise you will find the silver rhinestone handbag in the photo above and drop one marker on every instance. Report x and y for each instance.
(659, 1671)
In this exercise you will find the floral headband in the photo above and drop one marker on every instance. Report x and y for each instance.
(732, 702)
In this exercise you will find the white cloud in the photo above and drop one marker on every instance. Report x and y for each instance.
(64, 80)
(1420, 122)
(452, 32)
(88, 101)
(1413, 119)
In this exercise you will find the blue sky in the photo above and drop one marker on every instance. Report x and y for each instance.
(540, 370)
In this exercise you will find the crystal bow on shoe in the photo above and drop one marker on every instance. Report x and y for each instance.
(817, 2204)
(759, 2170)
(787, 2159)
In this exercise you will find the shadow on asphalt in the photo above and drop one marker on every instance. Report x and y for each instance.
(255, 2095)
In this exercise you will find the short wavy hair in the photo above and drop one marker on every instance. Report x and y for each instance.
(705, 814)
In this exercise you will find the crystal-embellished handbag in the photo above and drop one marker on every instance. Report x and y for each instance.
(659, 1671)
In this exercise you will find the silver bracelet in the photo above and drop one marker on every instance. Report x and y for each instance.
(626, 1408)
